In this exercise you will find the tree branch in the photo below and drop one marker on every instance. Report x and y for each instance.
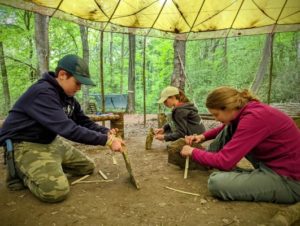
(21, 62)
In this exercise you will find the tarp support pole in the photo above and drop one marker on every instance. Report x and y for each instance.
(144, 78)
(271, 55)
(270, 70)
(101, 71)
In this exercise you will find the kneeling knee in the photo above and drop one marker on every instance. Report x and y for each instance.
(54, 192)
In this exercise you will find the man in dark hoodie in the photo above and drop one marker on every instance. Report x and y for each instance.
(184, 121)
(47, 109)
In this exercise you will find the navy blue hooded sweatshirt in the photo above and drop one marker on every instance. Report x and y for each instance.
(45, 111)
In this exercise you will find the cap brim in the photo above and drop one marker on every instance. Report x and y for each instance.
(84, 80)
(161, 100)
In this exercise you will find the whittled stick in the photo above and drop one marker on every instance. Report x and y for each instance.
(114, 160)
(132, 176)
(102, 175)
(133, 179)
(186, 168)
(80, 179)
(184, 192)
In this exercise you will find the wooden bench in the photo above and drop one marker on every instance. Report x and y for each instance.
(116, 120)
(292, 109)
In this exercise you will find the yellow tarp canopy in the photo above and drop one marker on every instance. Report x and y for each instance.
(183, 19)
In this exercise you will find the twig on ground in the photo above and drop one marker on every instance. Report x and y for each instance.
(114, 160)
(93, 181)
(102, 175)
(80, 179)
(184, 192)
(286, 216)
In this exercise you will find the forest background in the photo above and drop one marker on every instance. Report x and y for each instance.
(233, 61)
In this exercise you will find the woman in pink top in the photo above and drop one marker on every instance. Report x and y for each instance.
(267, 137)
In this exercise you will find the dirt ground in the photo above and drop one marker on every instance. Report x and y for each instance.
(118, 203)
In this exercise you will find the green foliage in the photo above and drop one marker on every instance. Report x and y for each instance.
(209, 63)
(212, 63)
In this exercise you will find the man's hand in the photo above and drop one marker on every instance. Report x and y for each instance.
(186, 150)
(194, 139)
(159, 131)
(113, 131)
(115, 143)
(160, 137)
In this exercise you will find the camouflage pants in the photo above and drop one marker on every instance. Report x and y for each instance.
(44, 167)
(175, 158)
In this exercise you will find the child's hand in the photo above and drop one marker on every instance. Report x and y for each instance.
(160, 137)
(194, 139)
(159, 131)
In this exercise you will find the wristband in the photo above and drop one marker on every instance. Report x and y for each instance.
(110, 141)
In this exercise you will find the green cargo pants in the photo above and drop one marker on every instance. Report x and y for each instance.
(260, 184)
(44, 167)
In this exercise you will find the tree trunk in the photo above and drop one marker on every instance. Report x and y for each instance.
(214, 45)
(42, 42)
(263, 64)
(112, 82)
(131, 74)
(204, 52)
(225, 60)
(5, 84)
(298, 47)
(86, 57)
(27, 19)
(122, 64)
(178, 77)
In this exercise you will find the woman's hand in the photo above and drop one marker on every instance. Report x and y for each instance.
(187, 150)
(159, 131)
(160, 137)
(194, 139)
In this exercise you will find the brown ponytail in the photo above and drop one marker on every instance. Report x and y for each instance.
(229, 98)
(182, 97)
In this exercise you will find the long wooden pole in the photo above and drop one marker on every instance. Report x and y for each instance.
(271, 68)
(144, 78)
(102, 74)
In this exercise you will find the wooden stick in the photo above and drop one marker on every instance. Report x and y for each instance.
(132, 176)
(186, 168)
(80, 179)
(93, 181)
(114, 160)
(184, 192)
(102, 175)
(133, 179)
(286, 215)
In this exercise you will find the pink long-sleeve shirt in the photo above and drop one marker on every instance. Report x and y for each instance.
(270, 135)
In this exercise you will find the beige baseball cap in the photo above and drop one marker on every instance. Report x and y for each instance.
(167, 92)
